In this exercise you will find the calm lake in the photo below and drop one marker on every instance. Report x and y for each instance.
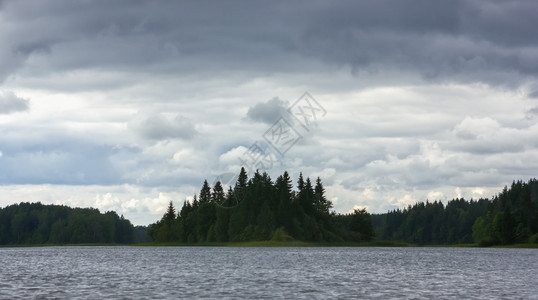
(221, 272)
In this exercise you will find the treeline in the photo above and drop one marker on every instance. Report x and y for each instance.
(431, 222)
(510, 217)
(35, 223)
(259, 209)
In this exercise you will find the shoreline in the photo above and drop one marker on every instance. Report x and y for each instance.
(274, 244)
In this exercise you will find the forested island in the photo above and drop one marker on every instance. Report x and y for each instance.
(258, 209)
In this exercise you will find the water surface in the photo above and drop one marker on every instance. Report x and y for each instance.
(220, 272)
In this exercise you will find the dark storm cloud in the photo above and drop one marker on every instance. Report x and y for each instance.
(439, 40)
(181, 37)
(443, 40)
(269, 111)
(9, 102)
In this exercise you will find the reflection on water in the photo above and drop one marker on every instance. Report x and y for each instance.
(172, 272)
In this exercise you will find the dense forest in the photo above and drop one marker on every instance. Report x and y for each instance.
(510, 217)
(35, 223)
(259, 209)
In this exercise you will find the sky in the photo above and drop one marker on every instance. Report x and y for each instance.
(127, 105)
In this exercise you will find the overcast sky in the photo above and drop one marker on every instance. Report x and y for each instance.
(126, 105)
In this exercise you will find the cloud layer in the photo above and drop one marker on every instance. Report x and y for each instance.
(136, 103)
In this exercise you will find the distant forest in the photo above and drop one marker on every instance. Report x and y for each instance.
(510, 217)
(35, 223)
(258, 209)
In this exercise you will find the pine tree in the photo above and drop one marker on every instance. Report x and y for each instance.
(308, 201)
(323, 206)
(217, 195)
(195, 203)
(240, 188)
(242, 178)
(185, 210)
(205, 193)
(170, 214)
(285, 208)
(300, 183)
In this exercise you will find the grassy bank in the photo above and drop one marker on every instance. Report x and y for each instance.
(285, 244)
(62, 245)
(518, 246)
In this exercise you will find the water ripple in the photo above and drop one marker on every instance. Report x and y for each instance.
(303, 273)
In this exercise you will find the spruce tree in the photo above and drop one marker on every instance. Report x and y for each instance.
(205, 193)
(323, 206)
(170, 214)
(217, 195)
(285, 209)
(308, 201)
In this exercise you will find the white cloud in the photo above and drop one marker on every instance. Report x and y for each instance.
(435, 195)
(231, 157)
(404, 201)
(486, 135)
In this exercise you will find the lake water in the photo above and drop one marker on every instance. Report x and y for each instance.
(220, 272)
